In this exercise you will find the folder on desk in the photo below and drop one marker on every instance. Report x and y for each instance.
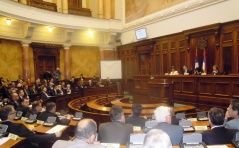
(202, 116)
(18, 115)
(192, 141)
(3, 130)
(32, 118)
(78, 116)
(235, 140)
(51, 121)
(187, 125)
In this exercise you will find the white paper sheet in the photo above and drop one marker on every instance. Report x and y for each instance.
(56, 128)
(4, 140)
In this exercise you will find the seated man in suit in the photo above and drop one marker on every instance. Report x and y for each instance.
(51, 112)
(116, 131)
(7, 115)
(135, 118)
(36, 109)
(163, 116)
(215, 70)
(14, 100)
(24, 106)
(90, 84)
(85, 133)
(157, 139)
(218, 133)
(232, 112)
(44, 96)
(186, 71)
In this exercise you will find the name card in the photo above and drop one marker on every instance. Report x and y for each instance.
(111, 145)
(200, 128)
(23, 118)
(12, 136)
(40, 122)
(136, 128)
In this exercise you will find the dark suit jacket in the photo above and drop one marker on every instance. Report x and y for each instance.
(218, 135)
(44, 115)
(23, 109)
(115, 132)
(43, 96)
(136, 121)
(175, 132)
(22, 131)
(13, 103)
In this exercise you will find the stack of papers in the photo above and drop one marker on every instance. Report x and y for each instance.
(55, 129)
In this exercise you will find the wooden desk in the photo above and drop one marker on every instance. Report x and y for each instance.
(13, 143)
(202, 91)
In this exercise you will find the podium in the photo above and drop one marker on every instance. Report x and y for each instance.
(161, 91)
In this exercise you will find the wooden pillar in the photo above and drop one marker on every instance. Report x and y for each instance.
(65, 6)
(101, 9)
(67, 62)
(26, 61)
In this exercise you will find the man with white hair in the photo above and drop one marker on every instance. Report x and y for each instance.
(157, 139)
(163, 116)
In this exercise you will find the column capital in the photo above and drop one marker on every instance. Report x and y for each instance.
(25, 43)
(66, 47)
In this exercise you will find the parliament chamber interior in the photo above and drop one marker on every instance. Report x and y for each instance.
(178, 54)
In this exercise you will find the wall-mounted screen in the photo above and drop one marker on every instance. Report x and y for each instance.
(111, 69)
(141, 33)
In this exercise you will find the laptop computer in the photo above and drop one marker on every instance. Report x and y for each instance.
(32, 118)
(51, 121)
(78, 116)
(136, 140)
(192, 141)
(3, 130)
(18, 115)
(235, 140)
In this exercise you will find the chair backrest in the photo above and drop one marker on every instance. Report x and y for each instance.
(32, 116)
(150, 124)
(192, 138)
(51, 119)
(201, 114)
(78, 114)
(136, 138)
(180, 115)
(3, 128)
(184, 122)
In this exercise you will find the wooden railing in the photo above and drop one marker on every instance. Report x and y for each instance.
(42, 4)
(79, 11)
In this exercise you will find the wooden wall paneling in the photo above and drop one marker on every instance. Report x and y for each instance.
(182, 55)
(222, 89)
(157, 59)
(205, 87)
(188, 86)
(166, 64)
(227, 58)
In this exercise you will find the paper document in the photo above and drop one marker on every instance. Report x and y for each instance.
(4, 140)
(192, 119)
(200, 128)
(56, 128)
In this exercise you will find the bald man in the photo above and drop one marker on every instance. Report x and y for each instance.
(85, 133)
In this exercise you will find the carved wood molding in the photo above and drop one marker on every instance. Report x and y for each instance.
(42, 4)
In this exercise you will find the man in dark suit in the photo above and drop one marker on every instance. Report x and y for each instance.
(43, 94)
(23, 107)
(36, 109)
(163, 116)
(14, 100)
(218, 133)
(51, 112)
(116, 131)
(135, 118)
(85, 133)
(186, 71)
(7, 115)
(90, 84)
(215, 70)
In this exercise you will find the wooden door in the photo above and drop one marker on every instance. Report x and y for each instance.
(46, 63)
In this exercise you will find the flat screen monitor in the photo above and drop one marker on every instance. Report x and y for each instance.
(141, 33)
